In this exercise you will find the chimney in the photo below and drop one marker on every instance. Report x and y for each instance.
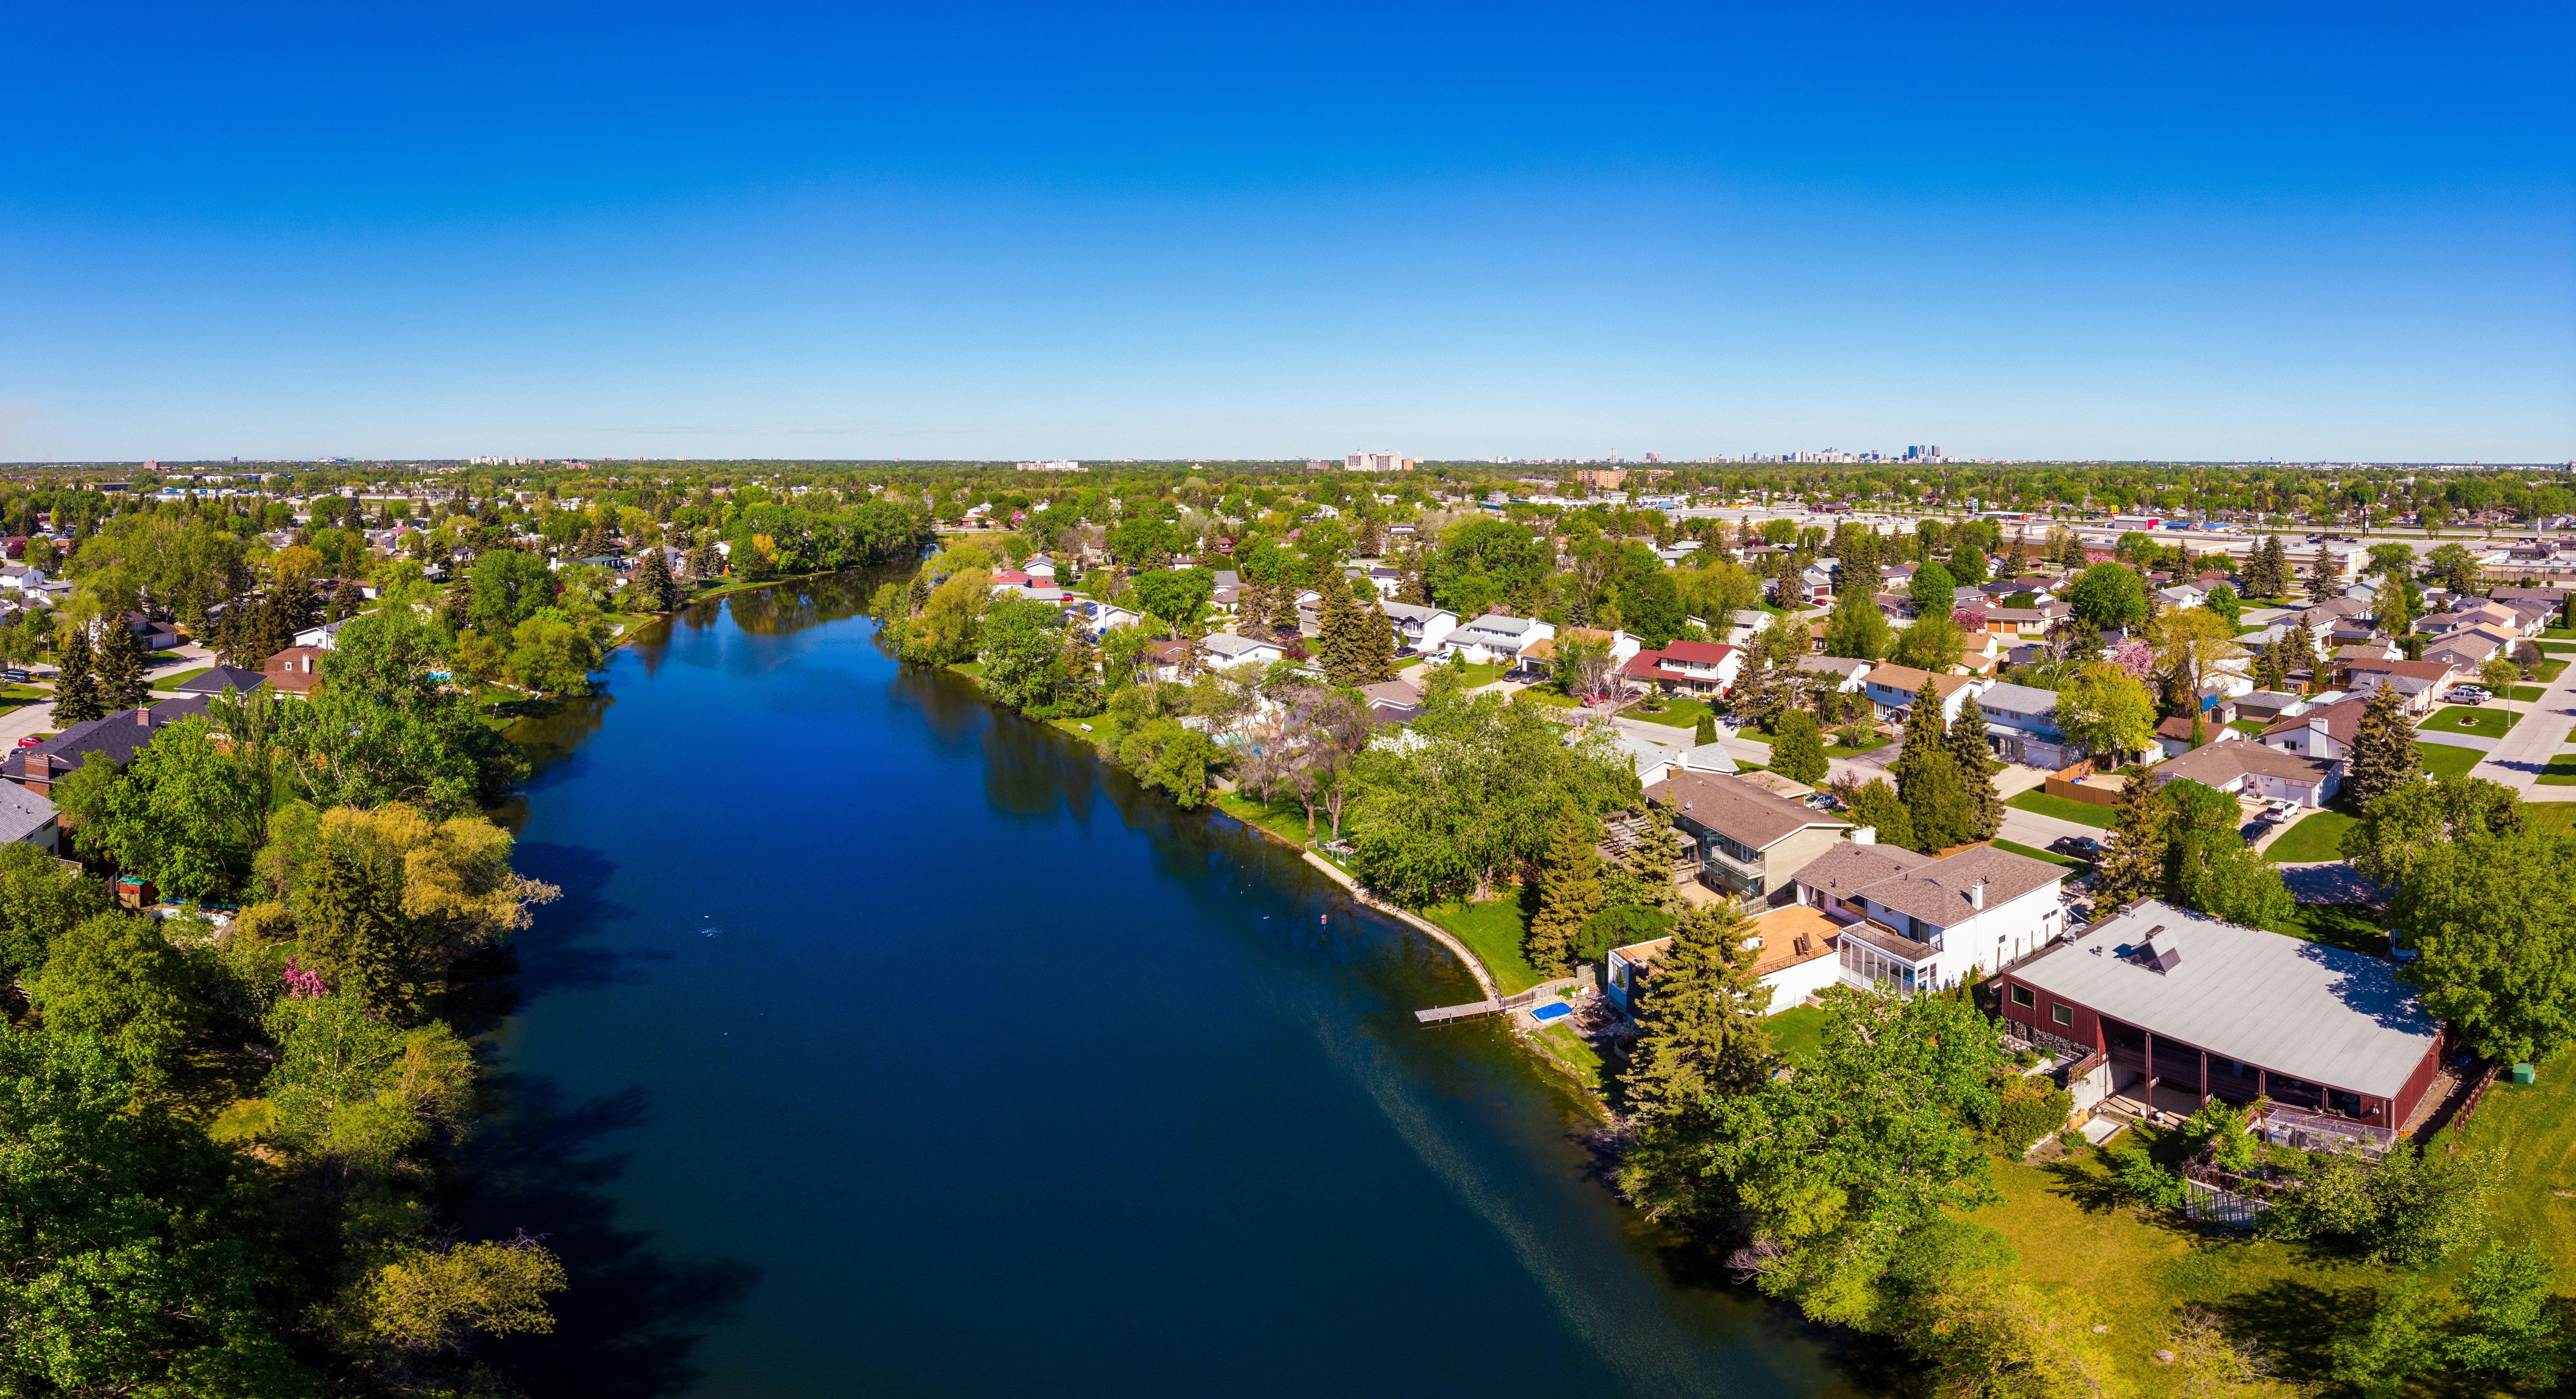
(1977, 895)
(1864, 835)
(143, 715)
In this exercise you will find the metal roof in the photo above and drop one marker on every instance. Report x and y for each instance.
(2304, 1009)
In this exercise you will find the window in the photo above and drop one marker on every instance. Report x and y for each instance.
(2021, 995)
(2061, 1015)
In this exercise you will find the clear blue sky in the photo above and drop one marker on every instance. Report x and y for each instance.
(945, 230)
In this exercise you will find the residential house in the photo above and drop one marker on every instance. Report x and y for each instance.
(1686, 667)
(2423, 683)
(293, 671)
(1914, 923)
(2468, 649)
(323, 635)
(1419, 628)
(1098, 617)
(2181, 595)
(219, 679)
(1496, 637)
(1750, 842)
(27, 818)
(2198, 1008)
(116, 738)
(1795, 959)
(2268, 705)
(1226, 651)
(1846, 674)
(1387, 581)
(2323, 731)
(2021, 726)
(2173, 735)
(1892, 688)
(149, 634)
(1541, 654)
(21, 576)
(2256, 770)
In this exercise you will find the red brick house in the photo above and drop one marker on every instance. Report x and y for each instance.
(2189, 1008)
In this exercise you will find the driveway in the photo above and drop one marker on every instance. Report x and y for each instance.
(2037, 831)
(2483, 745)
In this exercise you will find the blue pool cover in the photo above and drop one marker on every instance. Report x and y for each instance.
(1556, 1010)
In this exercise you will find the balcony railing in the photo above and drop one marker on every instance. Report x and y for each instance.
(1754, 868)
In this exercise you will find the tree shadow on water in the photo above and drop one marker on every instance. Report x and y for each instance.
(558, 950)
(629, 1322)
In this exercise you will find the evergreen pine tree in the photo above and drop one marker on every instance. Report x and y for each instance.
(120, 669)
(1377, 636)
(2276, 567)
(2303, 649)
(1927, 779)
(706, 563)
(654, 586)
(1252, 608)
(2270, 672)
(1413, 591)
(1701, 1011)
(1283, 609)
(1983, 814)
(1798, 747)
(2323, 579)
(1752, 701)
(2017, 555)
(1705, 731)
(2383, 749)
(2133, 863)
(1569, 892)
(75, 685)
(1340, 646)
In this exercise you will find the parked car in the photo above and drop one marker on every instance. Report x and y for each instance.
(2255, 830)
(29, 741)
(15, 677)
(2280, 811)
(2468, 694)
(2081, 847)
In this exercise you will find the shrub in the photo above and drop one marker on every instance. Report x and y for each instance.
(2135, 1176)
(2033, 1107)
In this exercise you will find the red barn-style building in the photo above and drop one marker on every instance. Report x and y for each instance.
(2188, 1008)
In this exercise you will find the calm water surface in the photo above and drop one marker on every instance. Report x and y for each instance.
(885, 1044)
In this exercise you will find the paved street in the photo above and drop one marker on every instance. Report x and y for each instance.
(2517, 758)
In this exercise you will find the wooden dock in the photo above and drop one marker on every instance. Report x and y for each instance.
(1518, 1000)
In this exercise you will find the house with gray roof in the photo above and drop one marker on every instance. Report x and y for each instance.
(1495, 637)
(2021, 726)
(1914, 923)
(1750, 842)
(1226, 651)
(2189, 1008)
(27, 817)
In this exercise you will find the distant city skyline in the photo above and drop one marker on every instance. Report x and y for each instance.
(837, 233)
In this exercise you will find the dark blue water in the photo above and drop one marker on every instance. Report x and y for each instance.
(884, 1044)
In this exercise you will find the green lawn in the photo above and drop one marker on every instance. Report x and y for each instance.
(967, 667)
(2446, 759)
(2559, 634)
(2526, 694)
(2066, 809)
(2037, 854)
(2561, 771)
(2316, 836)
(1796, 1032)
(2534, 1127)
(1472, 675)
(2549, 670)
(2352, 927)
(2073, 1240)
(1286, 819)
(2559, 648)
(1493, 931)
(2251, 726)
(2557, 818)
(172, 682)
(1678, 712)
(2460, 718)
(1540, 694)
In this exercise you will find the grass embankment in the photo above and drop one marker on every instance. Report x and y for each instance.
(1560, 1043)
(2038, 854)
(2461, 719)
(2065, 809)
(1492, 930)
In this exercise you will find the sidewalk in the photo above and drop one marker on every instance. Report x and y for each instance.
(2517, 758)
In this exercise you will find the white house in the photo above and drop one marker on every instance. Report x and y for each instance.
(21, 576)
(1419, 627)
(1911, 923)
(1495, 637)
(1226, 651)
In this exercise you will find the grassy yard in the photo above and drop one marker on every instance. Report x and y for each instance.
(2251, 726)
(2561, 772)
(1492, 930)
(1472, 675)
(1540, 694)
(1796, 1032)
(2352, 927)
(1835, 749)
(2072, 1239)
(2559, 648)
(2550, 670)
(2557, 818)
(1680, 713)
(2317, 836)
(2462, 719)
(2559, 634)
(2535, 1127)
(1285, 819)
(12, 696)
(2066, 809)
(172, 682)
(967, 667)
(2446, 759)
(2526, 694)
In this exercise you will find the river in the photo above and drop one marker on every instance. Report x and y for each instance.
(884, 1043)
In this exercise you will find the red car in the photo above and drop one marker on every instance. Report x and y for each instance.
(29, 741)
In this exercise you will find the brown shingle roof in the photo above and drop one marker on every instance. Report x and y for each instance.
(2343, 720)
(1850, 867)
(1735, 808)
(1910, 680)
(1937, 892)
(2219, 763)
